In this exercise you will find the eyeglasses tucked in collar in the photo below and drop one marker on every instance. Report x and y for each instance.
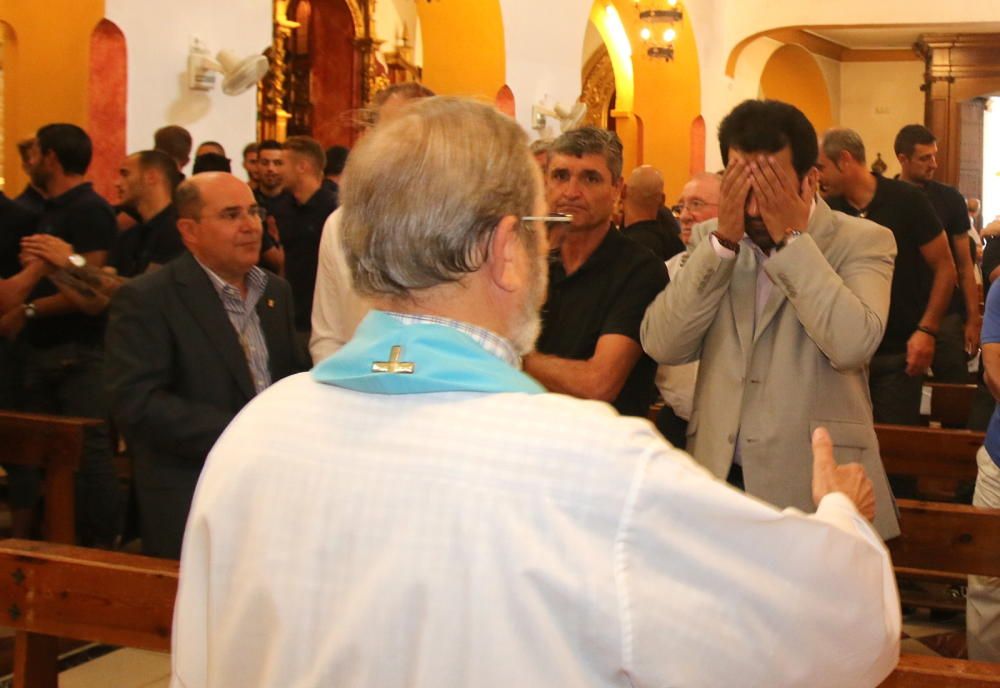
(548, 219)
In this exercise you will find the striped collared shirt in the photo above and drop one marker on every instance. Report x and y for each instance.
(243, 316)
(491, 342)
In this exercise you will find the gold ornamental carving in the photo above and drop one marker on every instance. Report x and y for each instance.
(598, 88)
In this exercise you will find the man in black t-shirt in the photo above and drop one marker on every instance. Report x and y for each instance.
(270, 194)
(922, 281)
(300, 218)
(62, 347)
(600, 283)
(916, 150)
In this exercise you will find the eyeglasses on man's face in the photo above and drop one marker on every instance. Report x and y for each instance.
(694, 205)
(238, 214)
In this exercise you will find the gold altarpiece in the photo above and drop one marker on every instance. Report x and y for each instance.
(283, 98)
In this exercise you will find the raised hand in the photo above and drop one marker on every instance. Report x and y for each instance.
(850, 479)
(733, 199)
(783, 202)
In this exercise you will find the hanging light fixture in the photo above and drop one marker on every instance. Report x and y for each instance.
(657, 19)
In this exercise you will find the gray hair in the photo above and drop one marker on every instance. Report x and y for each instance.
(837, 140)
(423, 193)
(591, 141)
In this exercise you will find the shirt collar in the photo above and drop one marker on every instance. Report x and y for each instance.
(256, 280)
(490, 341)
(69, 196)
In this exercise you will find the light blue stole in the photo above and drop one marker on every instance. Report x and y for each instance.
(443, 358)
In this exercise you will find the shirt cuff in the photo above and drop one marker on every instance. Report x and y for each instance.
(720, 250)
(839, 511)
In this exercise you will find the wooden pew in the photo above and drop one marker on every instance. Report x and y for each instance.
(951, 404)
(945, 542)
(54, 444)
(51, 591)
(918, 671)
(941, 461)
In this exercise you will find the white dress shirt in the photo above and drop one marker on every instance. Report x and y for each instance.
(337, 307)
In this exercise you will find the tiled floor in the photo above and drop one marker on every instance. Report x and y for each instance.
(924, 634)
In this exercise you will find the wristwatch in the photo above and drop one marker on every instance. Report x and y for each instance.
(30, 311)
(77, 261)
(790, 236)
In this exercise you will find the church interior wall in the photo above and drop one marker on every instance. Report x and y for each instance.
(463, 48)
(882, 97)
(469, 48)
(159, 37)
(792, 75)
(46, 68)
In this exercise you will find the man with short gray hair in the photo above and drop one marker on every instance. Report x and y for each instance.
(917, 304)
(599, 282)
(418, 497)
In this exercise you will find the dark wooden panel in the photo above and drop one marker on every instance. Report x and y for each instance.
(947, 538)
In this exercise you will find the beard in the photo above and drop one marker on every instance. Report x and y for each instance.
(757, 231)
(527, 325)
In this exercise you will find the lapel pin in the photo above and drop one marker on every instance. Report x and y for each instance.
(270, 303)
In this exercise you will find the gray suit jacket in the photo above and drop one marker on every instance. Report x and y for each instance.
(763, 387)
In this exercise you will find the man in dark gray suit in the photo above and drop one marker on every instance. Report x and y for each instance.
(189, 345)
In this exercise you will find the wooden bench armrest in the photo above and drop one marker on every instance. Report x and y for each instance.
(75, 592)
(919, 671)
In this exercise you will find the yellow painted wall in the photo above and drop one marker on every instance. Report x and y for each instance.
(463, 45)
(46, 70)
(792, 76)
(661, 101)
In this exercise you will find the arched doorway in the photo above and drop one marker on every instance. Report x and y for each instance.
(107, 99)
(793, 76)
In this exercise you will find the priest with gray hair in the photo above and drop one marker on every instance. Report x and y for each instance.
(418, 511)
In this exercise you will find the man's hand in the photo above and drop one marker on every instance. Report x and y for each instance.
(850, 479)
(973, 325)
(51, 249)
(919, 353)
(12, 322)
(784, 203)
(733, 199)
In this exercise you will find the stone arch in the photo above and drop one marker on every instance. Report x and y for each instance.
(792, 75)
(107, 103)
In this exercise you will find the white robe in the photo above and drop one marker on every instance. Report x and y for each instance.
(339, 538)
(337, 307)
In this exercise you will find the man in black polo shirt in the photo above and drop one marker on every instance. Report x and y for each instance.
(62, 347)
(146, 181)
(922, 281)
(300, 217)
(916, 150)
(642, 198)
(599, 282)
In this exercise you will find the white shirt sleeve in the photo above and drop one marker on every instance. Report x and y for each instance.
(337, 307)
(764, 597)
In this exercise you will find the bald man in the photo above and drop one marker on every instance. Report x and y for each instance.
(642, 199)
(190, 344)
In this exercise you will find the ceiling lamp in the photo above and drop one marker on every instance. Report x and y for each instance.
(656, 21)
